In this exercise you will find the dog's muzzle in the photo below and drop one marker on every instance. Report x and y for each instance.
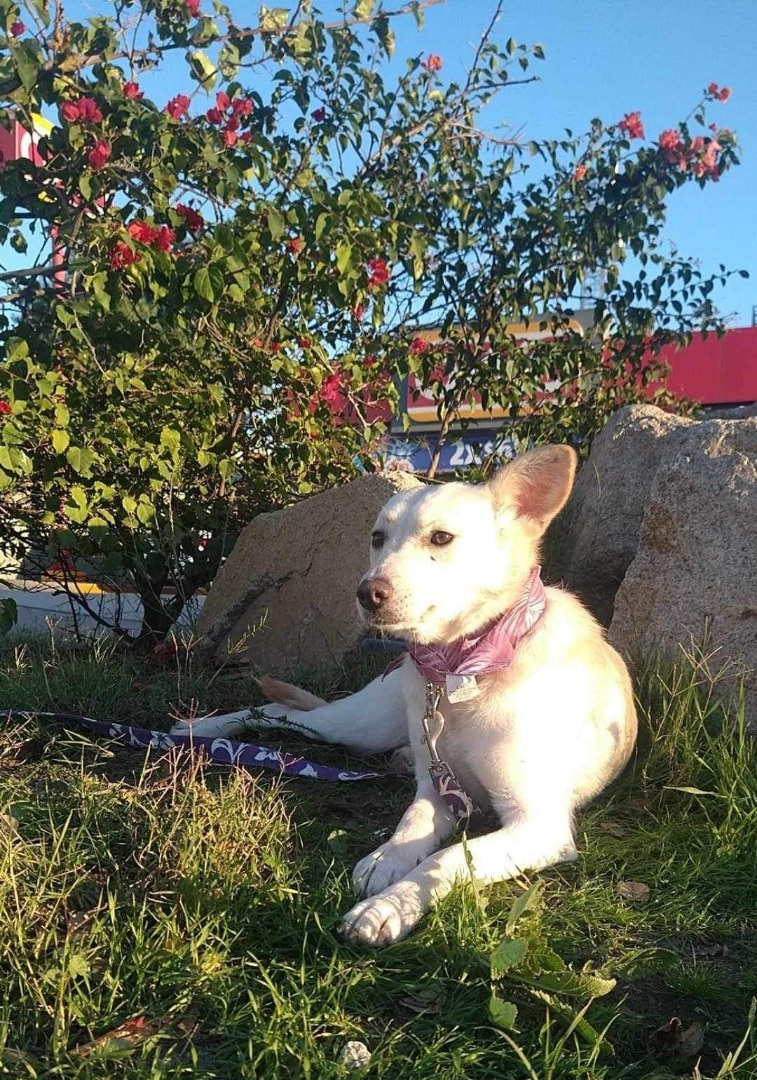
(373, 593)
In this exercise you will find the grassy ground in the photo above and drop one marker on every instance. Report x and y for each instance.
(158, 919)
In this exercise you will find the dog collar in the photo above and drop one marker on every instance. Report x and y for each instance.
(491, 650)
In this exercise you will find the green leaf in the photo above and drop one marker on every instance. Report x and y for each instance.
(363, 9)
(203, 284)
(503, 1013)
(60, 439)
(170, 439)
(203, 69)
(572, 983)
(508, 954)
(228, 61)
(276, 224)
(8, 615)
(81, 460)
(527, 901)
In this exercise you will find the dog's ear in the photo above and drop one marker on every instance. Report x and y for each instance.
(535, 485)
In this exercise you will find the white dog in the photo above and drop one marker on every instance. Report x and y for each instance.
(510, 695)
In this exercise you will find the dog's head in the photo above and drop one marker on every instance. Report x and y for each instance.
(448, 559)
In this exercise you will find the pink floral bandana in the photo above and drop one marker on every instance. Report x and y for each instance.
(492, 650)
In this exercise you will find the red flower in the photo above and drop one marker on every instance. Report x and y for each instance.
(294, 245)
(359, 312)
(164, 238)
(632, 125)
(718, 93)
(258, 342)
(193, 8)
(132, 91)
(418, 345)
(223, 101)
(232, 124)
(230, 138)
(305, 343)
(18, 28)
(195, 222)
(331, 389)
(89, 111)
(5, 409)
(242, 107)
(100, 153)
(141, 231)
(319, 115)
(378, 273)
(433, 62)
(214, 115)
(122, 256)
(579, 172)
(85, 109)
(177, 106)
(246, 136)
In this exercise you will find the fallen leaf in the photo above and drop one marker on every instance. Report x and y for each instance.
(673, 1039)
(614, 828)
(712, 950)
(636, 891)
(426, 1000)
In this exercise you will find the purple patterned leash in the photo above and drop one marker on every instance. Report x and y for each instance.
(221, 751)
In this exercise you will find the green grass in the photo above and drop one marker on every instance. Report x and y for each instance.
(203, 903)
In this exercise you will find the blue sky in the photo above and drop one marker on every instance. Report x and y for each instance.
(605, 58)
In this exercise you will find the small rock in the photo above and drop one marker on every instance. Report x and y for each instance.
(355, 1055)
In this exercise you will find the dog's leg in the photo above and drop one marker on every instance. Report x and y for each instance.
(372, 720)
(424, 826)
(530, 843)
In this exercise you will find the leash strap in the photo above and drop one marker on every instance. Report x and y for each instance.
(220, 751)
(448, 788)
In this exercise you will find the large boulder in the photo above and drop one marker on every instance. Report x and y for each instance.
(284, 601)
(596, 537)
(695, 567)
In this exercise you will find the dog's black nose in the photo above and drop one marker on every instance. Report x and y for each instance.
(373, 593)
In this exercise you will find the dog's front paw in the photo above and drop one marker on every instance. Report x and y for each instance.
(386, 865)
(382, 919)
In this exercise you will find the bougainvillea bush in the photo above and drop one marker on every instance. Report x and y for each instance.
(233, 275)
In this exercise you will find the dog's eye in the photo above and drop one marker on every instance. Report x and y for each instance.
(441, 539)
(377, 540)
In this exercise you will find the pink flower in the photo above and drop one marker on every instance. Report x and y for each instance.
(294, 245)
(100, 153)
(177, 106)
(579, 172)
(193, 8)
(5, 409)
(18, 28)
(632, 125)
(319, 115)
(433, 62)
(242, 107)
(718, 93)
(418, 346)
(164, 238)
(214, 115)
(194, 221)
(671, 145)
(378, 273)
(132, 91)
(331, 390)
(230, 138)
(223, 101)
(122, 256)
(141, 231)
